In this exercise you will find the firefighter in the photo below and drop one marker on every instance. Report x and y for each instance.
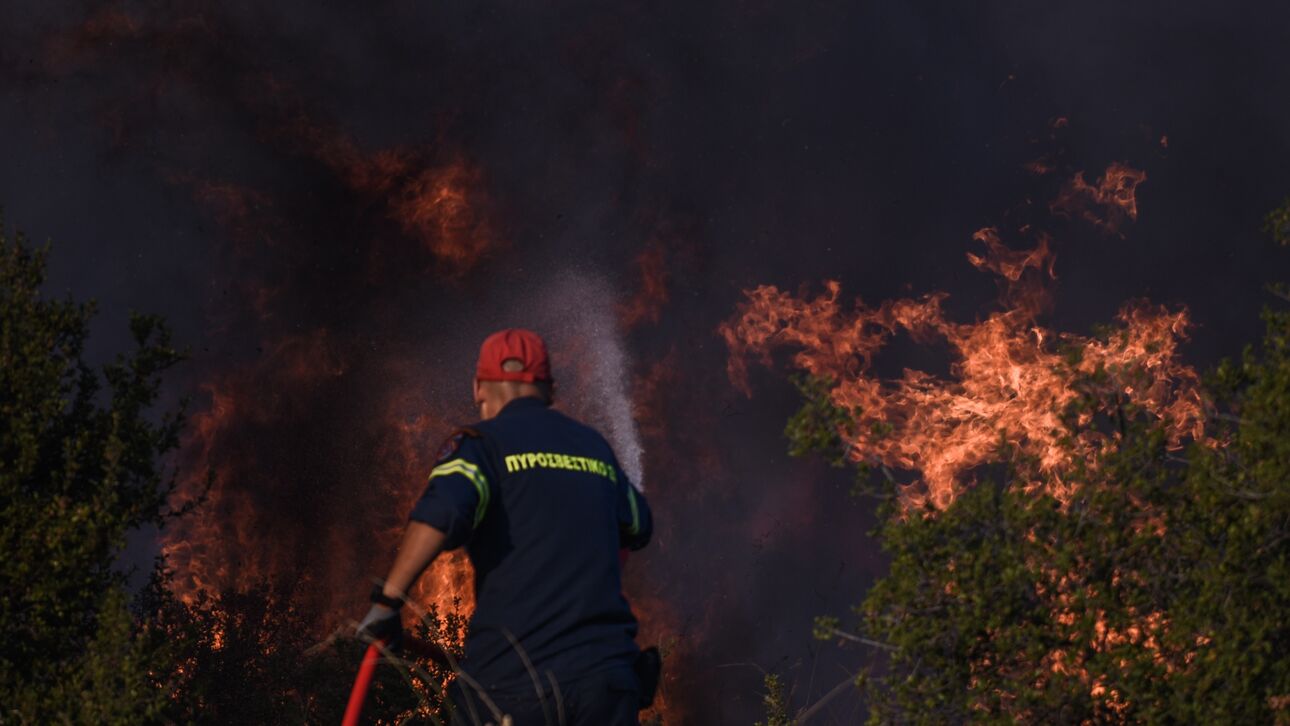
(542, 507)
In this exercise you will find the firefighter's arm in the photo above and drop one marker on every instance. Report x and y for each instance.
(455, 499)
(421, 544)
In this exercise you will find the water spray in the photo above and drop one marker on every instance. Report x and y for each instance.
(578, 318)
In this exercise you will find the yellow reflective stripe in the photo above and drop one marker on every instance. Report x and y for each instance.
(476, 477)
(636, 515)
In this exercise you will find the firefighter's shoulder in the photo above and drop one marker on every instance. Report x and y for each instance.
(453, 443)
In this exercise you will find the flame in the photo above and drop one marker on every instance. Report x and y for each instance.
(438, 206)
(1106, 204)
(449, 583)
(661, 396)
(443, 205)
(1039, 167)
(266, 516)
(1144, 630)
(435, 196)
(652, 292)
(1008, 381)
(207, 550)
(316, 448)
(437, 199)
(661, 624)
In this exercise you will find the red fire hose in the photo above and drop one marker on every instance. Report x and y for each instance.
(368, 669)
(364, 679)
(412, 645)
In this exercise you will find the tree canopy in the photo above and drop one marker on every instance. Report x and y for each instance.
(80, 453)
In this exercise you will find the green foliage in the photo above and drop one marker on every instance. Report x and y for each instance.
(825, 627)
(822, 429)
(776, 702)
(112, 682)
(79, 469)
(1277, 223)
(1160, 592)
(79, 452)
(817, 427)
(1237, 537)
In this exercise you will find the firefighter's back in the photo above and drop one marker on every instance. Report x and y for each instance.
(546, 551)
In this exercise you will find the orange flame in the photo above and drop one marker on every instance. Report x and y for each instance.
(1106, 204)
(1007, 383)
(443, 205)
(239, 535)
(437, 199)
(652, 293)
(1010, 379)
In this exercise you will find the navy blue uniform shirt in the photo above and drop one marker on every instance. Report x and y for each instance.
(542, 507)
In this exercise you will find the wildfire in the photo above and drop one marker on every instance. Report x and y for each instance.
(1106, 204)
(271, 514)
(652, 294)
(409, 449)
(275, 514)
(1010, 377)
(1010, 380)
(435, 195)
(316, 447)
(661, 625)
(440, 204)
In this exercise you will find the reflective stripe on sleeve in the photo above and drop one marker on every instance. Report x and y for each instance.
(636, 515)
(476, 477)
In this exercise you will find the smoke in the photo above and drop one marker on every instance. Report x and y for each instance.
(335, 206)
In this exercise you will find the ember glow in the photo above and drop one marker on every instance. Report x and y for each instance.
(1009, 377)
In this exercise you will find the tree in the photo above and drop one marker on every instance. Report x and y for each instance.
(79, 468)
(81, 452)
(1158, 592)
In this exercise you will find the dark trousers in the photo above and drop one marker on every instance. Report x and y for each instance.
(610, 697)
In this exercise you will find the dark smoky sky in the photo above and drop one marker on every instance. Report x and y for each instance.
(212, 161)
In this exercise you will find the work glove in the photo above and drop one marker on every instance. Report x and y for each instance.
(382, 623)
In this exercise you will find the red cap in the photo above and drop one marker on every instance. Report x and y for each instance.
(522, 345)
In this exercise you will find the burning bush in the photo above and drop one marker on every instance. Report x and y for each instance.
(252, 656)
(1118, 554)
